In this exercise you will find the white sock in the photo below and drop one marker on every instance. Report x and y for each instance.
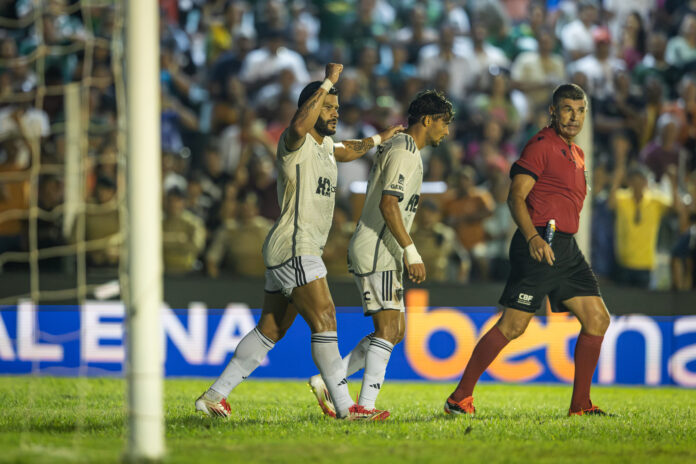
(328, 360)
(356, 358)
(376, 361)
(250, 352)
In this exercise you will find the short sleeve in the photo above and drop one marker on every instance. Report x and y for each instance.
(399, 165)
(663, 201)
(623, 198)
(284, 155)
(532, 161)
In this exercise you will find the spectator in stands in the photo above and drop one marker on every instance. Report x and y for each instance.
(183, 234)
(684, 109)
(486, 57)
(49, 226)
(664, 150)
(230, 79)
(537, 73)
(236, 21)
(466, 211)
(263, 65)
(684, 251)
(228, 65)
(639, 211)
(417, 34)
(227, 109)
(23, 129)
(632, 44)
(437, 243)
(443, 56)
(683, 255)
(399, 70)
(618, 10)
(497, 104)
(283, 89)
(620, 111)
(239, 241)
(368, 27)
(197, 201)
(439, 167)
(499, 228)
(243, 142)
(366, 62)
(577, 36)
(681, 50)
(599, 66)
(102, 222)
(176, 117)
(492, 153)
(522, 37)
(226, 209)
(654, 63)
(263, 184)
(454, 14)
(602, 228)
(652, 109)
(271, 16)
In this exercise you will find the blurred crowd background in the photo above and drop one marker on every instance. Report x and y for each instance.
(231, 72)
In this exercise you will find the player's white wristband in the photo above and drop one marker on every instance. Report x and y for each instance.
(326, 85)
(377, 139)
(412, 255)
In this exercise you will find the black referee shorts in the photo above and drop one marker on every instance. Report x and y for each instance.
(530, 281)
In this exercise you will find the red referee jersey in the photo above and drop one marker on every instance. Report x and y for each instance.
(559, 171)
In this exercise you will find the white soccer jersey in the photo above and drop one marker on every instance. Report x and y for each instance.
(306, 194)
(398, 171)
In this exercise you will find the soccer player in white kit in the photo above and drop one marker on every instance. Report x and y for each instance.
(381, 244)
(295, 273)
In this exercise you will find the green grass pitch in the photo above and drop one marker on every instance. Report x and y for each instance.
(55, 420)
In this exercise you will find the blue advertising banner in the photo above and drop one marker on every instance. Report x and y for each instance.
(198, 342)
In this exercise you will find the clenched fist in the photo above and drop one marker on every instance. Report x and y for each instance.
(333, 70)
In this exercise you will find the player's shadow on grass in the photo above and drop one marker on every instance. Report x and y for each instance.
(65, 427)
(203, 422)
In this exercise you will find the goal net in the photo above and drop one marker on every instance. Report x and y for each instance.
(65, 206)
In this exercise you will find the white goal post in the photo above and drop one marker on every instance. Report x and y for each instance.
(144, 365)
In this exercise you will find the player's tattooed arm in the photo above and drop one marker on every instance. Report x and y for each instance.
(348, 150)
(306, 115)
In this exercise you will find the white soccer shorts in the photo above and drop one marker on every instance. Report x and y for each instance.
(381, 290)
(296, 272)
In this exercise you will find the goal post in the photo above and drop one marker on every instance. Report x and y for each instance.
(144, 365)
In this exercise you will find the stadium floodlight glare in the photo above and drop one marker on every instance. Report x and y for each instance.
(360, 186)
(144, 365)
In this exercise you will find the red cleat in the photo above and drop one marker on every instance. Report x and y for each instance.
(465, 406)
(211, 405)
(316, 383)
(591, 411)
(358, 413)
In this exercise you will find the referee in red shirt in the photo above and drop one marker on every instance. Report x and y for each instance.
(548, 182)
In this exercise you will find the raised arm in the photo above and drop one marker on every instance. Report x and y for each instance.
(617, 177)
(389, 207)
(348, 150)
(538, 248)
(306, 116)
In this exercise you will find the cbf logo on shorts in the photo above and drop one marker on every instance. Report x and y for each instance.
(525, 299)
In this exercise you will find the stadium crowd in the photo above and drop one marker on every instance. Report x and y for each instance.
(231, 73)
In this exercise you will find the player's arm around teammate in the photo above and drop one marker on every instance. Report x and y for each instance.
(295, 273)
(349, 150)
